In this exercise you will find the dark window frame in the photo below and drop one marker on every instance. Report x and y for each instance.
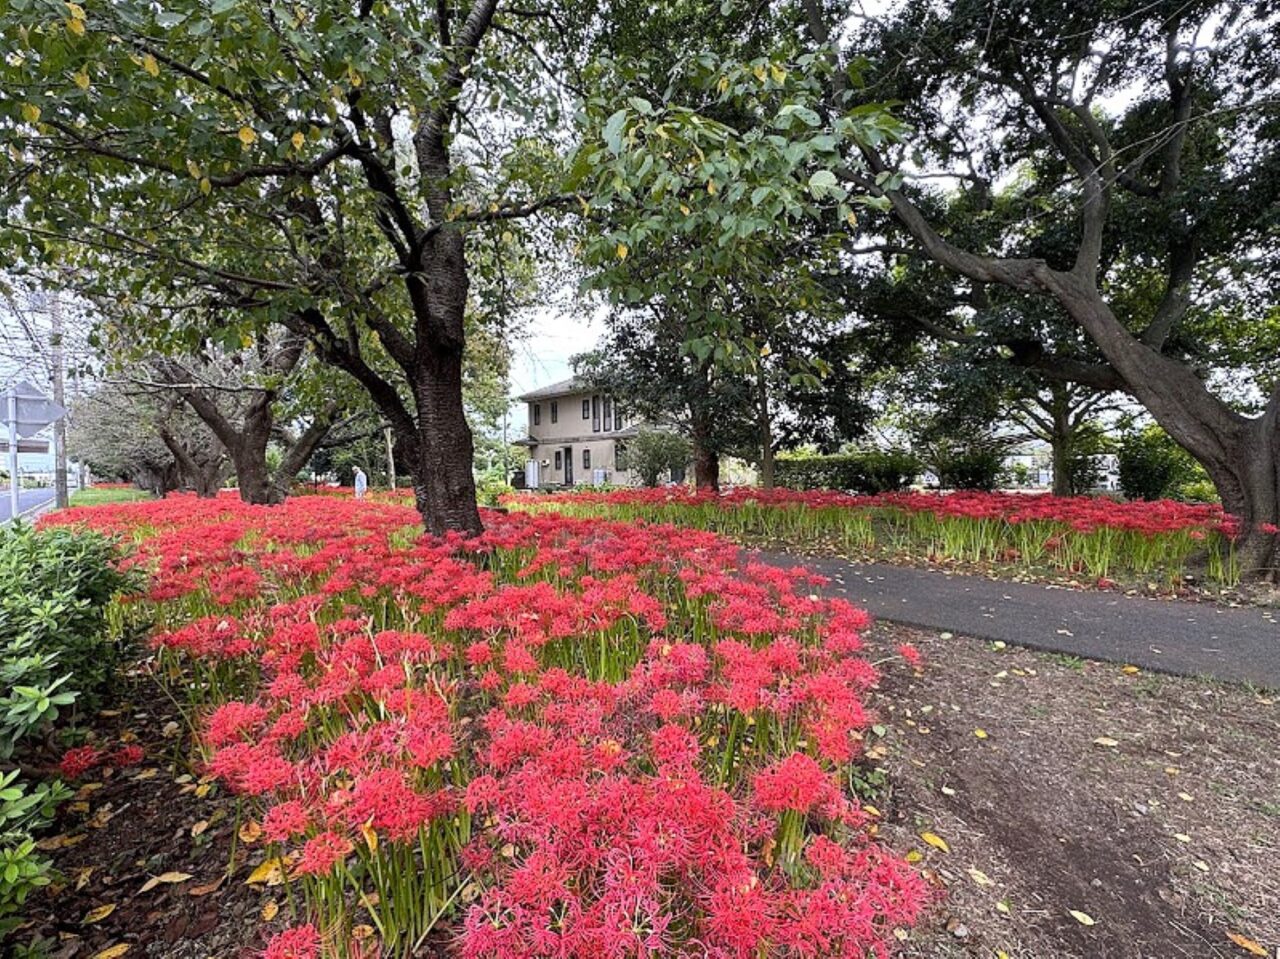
(595, 413)
(537, 414)
(586, 459)
(555, 411)
(559, 461)
(586, 408)
(607, 403)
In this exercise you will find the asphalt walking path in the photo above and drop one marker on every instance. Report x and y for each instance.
(1172, 636)
(30, 502)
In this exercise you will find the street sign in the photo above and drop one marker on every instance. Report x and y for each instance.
(26, 446)
(28, 411)
(34, 411)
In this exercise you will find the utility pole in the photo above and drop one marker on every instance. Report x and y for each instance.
(391, 458)
(59, 397)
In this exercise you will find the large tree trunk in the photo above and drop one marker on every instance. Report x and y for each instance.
(444, 485)
(706, 460)
(1241, 454)
(1060, 448)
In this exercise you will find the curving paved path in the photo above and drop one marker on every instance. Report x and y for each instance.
(1188, 639)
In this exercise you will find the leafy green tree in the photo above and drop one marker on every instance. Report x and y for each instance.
(1143, 143)
(329, 170)
(656, 453)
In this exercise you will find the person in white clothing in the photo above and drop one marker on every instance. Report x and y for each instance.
(362, 483)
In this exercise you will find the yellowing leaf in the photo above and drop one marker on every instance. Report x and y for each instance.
(247, 135)
(936, 841)
(269, 910)
(75, 26)
(777, 73)
(199, 828)
(30, 112)
(370, 837)
(622, 251)
(149, 64)
(980, 733)
(711, 187)
(97, 915)
(81, 79)
(75, 11)
(298, 140)
(1106, 742)
(914, 855)
(269, 871)
(1247, 944)
(82, 877)
(361, 932)
(980, 877)
(1081, 917)
(205, 187)
(113, 952)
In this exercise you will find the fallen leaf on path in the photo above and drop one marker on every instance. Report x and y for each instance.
(97, 915)
(50, 843)
(1247, 944)
(82, 877)
(1081, 917)
(113, 952)
(199, 827)
(250, 831)
(269, 910)
(980, 733)
(936, 841)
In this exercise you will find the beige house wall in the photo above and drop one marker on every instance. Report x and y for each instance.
(572, 431)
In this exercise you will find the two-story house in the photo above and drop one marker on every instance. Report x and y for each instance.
(576, 436)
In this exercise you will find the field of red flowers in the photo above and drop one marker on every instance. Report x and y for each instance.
(1081, 535)
(565, 737)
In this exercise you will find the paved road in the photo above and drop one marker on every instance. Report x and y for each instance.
(1190, 639)
(28, 499)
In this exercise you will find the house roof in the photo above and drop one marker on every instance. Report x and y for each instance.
(562, 388)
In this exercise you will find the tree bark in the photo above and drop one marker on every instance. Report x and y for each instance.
(444, 485)
(706, 460)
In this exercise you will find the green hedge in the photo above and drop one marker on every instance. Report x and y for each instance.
(56, 650)
(869, 472)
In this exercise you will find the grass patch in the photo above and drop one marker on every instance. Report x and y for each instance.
(98, 495)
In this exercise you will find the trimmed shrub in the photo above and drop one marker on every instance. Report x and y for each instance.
(868, 472)
(1153, 466)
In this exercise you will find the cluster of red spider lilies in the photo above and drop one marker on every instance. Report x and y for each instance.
(563, 737)
(1091, 535)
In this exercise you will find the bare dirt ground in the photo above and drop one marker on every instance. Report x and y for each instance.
(1067, 808)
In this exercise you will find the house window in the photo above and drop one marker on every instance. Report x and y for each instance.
(608, 414)
(586, 408)
(559, 461)
(537, 413)
(586, 459)
(617, 415)
(555, 411)
(595, 413)
(619, 455)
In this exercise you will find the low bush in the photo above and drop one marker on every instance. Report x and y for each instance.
(55, 649)
(873, 471)
(1153, 466)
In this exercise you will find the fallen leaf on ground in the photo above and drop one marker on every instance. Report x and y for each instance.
(207, 887)
(1081, 917)
(82, 877)
(59, 842)
(1105, 741)
(250, 831)
(269, 910)
(97, 915)
(936, 841)
(269, 871)
(164, 877)
(113, 952)
(1247, 944)
(199, 827)
(980, 877)
(980, 733)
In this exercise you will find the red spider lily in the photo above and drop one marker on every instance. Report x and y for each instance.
(561, 737)
(76, 762)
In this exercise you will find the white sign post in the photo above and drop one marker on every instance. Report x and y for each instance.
(29, 411)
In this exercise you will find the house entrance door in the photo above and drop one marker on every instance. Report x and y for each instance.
(568, 466)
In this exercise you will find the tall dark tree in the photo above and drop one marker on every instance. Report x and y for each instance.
(316, 168)
(1151, 136)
